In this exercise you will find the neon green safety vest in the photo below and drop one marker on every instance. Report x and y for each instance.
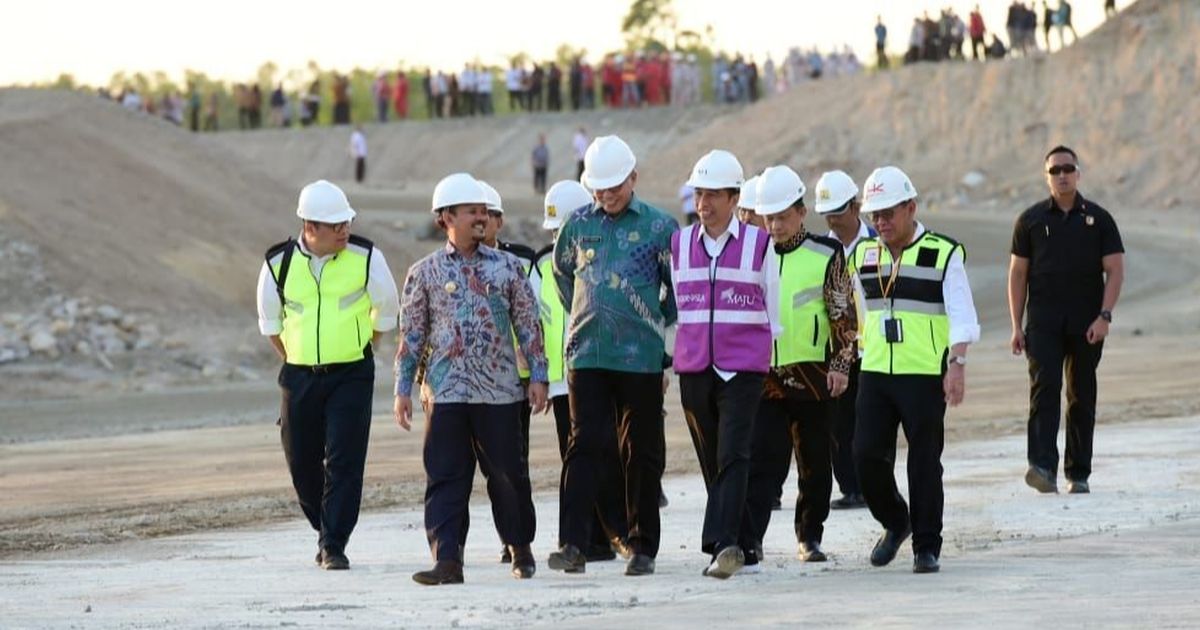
(915, 299)
(802, 310)
(326, 321)
(554, 319)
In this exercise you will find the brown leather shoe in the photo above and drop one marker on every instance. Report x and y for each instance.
(443, 572)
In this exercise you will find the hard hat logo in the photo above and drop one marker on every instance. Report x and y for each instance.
(824, 194)
(875, 189)
(717, 170)
(567, 194)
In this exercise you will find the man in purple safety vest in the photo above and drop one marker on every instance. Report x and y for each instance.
(726, 296)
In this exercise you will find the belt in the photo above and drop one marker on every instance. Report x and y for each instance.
(326, 368)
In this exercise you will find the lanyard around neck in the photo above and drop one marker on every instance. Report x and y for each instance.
(895, 271)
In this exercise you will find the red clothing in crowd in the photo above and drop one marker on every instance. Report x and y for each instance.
(976, 28)
(612, 78)
(649, 75)
(400, 95)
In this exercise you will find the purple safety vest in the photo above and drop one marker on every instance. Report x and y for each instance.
(723, 316)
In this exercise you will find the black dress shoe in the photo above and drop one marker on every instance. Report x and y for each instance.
(848, 502)
(725, 563)
(333, 560)
(662, 500)
(1078, 487)
(888, 545)
(925, 562)
(640, 564)
(505, 555)
(621, 546)
(810, 551)
(568, 559)
(1041, 480)
(523, 564)
(443, 572)
(776, 504)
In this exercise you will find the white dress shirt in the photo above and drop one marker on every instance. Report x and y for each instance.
(956, 293)
(770, 276)
(863, 232)
(381, 288)
(580, 142)
(358, 144)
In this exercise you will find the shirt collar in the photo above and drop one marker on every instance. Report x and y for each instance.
(1080, 204)
(635, 206)
(308, 252)
(733, 229)
(450, 250)
(863, 232)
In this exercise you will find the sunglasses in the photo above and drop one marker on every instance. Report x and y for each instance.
(336, 227)
(1062, 168)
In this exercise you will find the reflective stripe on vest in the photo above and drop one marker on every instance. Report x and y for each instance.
(802, 310)
(327, 321)
(554, 318)
(915, 299)
(723, 319)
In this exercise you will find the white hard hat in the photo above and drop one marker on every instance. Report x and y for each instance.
(607, 162)
(717, 170)
(778, 189)
(562, 199)
(834, 189)
(323, 202)
(886, 187)
(457, 189)
(746, 199)
(494, 203)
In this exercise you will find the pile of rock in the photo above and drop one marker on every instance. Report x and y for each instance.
(62, 326)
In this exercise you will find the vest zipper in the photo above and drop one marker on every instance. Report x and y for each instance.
(815, 330)
(318, 279)
(775, 342)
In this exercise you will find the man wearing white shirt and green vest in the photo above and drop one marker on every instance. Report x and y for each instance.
(323, 299)
(920, 318)
(837, 202)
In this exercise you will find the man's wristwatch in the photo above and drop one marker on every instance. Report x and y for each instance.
(1106, 316)
(956, 359)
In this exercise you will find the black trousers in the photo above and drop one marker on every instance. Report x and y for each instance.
(783, 428)
(917, 403)
(720, 417)
(636, 399)
(325, 423)
(1052, 352)
(360, 169)
(609, 519)
(456, 436)
(845, 411)
(539, 178)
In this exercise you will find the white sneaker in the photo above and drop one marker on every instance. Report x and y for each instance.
(729, 561)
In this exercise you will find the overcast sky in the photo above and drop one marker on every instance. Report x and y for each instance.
(230, 39)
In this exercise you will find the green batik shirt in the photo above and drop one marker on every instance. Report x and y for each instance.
(615, 273)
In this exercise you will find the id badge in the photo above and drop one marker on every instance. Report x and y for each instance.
(893, 330)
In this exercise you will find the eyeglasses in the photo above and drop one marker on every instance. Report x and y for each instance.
(495, 214)
(336, 227)
(887, 214)
(1059, 169)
